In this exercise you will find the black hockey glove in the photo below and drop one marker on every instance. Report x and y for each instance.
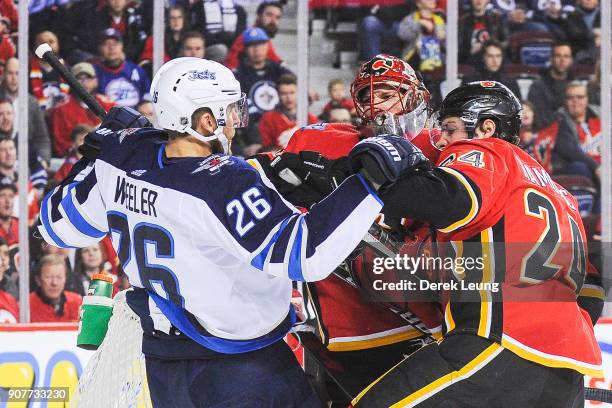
(383, 159)
(117, 119)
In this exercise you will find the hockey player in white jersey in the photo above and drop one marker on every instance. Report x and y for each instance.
(207, 242)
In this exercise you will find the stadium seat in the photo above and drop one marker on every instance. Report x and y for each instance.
(582, 188)
(531, 48)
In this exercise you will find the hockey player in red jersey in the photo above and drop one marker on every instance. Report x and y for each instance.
(362, 338)
(525, 340)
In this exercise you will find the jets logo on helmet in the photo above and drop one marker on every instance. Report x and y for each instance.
(206, 74)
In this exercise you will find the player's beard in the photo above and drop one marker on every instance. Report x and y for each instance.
(217, 147)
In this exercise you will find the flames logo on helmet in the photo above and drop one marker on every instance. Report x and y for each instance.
(381, 66)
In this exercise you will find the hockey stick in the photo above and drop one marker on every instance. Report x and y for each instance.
(44, 52)
(598, 394)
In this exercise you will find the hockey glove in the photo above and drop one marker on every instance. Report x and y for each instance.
(382, 159)
(124, 118)
(117, 119)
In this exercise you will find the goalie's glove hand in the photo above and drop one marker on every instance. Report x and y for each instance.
(118, 118)
(383, 159)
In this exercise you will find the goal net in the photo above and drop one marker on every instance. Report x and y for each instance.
(115, 376)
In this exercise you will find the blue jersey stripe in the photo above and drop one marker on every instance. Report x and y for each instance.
(75, 217)
(259, 260)
(44, 216)
(179, 318)
(295, 258)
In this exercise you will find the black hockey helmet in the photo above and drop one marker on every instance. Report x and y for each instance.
(477, 101)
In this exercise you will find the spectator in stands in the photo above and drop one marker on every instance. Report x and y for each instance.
(591, 14)
(63, 118)
(120, 79)
(563, 21)
(277, 126)
(50, 302)
(478, 26)
(529, 128)
(9, 12)
(7, 46)
(38, 173)
(423, 33)
(380, 27)
(37, 128)
(46, 83)
(220, 21)
(547, 94)
(6, 283)
(193, 44)
(116, 14)
(8, 161)
(177, 25)
(9, 224)
(268, 17)
(594, 85)
(146, 109)
(77, 136)
(340, 115)
(492, 67)
(9, 292)
(336, 89)
(578, 145)
(257, 76)
(90, 261)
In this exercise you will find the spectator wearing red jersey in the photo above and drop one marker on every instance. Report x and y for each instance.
(9, 11)
(50, 302)
(336, 90)
(277, 126)
(46, 84)
(7, 46)
(9, 224)
(268, 16)
(77, 136)
(63, 118)
(476, 27)
(9, 309)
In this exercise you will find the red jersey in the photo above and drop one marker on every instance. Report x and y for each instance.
(275, 128)
(63, 118)
(9, 308)
(47, 86)
(346, 321)
(540, 265)
(44, 312)
(232, 60)
(11, 234)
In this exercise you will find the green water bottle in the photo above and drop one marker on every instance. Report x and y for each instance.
(95, 312)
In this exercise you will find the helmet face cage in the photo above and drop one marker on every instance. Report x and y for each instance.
(392, 74)
(235, 114)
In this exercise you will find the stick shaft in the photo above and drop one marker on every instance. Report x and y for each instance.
(75, 86)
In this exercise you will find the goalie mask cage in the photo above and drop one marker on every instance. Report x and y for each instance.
(115, 376)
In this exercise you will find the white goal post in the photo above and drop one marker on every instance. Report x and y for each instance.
(115, 376)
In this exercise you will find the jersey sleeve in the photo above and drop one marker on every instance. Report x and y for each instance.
(285, 242)
(483, 174)
(73, 214)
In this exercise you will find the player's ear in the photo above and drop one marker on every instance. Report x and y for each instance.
(208, 123)
(486, 129)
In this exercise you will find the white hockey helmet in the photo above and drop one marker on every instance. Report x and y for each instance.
(183, 85)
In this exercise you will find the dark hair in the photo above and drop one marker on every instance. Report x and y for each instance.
(265, 4)
(286, 79)
(492, 43)
(79, 129)
(557, 44)
(192, 34)
(142, 102)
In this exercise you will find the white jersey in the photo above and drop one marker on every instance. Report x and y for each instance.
(210, 239)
